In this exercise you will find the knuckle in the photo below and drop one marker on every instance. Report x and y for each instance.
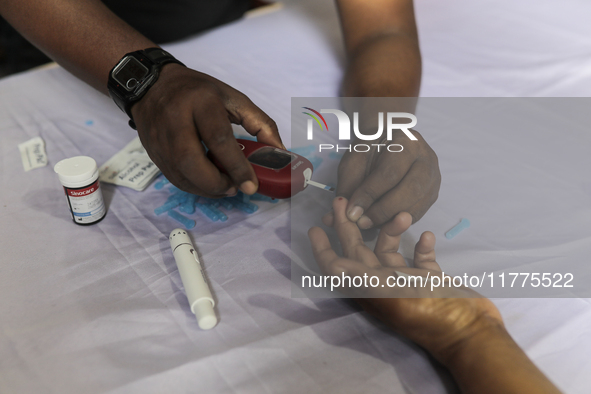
(369, 194)
(389, 172)
(218, 140)
(416, 190)
(207, 89)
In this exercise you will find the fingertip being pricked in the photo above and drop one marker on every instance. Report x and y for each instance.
(338, 207)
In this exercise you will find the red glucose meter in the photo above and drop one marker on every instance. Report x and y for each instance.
(281, 174)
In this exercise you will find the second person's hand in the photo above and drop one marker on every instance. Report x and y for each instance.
(379, 185)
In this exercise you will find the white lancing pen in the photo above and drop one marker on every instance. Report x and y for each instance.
(193, 278)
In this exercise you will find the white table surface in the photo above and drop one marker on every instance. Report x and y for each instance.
(101, 308)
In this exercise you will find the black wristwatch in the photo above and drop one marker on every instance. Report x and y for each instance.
(134, 74)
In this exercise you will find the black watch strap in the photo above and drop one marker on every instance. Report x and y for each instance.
(153, 59)
(160, 57)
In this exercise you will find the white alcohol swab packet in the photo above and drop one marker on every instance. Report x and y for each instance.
(130, 167)
(33, 153)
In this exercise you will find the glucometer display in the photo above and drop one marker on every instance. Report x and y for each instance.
(281, 174)
(271, 158)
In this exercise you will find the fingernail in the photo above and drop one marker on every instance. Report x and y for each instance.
(231, 192)
(248, 187)
(364, 223)
(355, 213)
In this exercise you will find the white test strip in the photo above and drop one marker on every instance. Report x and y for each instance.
(320, 185)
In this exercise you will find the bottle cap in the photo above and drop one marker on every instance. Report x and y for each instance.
(205, 314)
(75, 171)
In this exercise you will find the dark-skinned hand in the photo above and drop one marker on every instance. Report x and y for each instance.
(186, 110)
(379, 185)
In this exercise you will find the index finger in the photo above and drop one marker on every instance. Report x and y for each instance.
(182, 158)
(196, 173)
(257, 123)
(216, 132)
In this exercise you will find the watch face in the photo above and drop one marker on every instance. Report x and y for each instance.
(272, 158)
(130, 73)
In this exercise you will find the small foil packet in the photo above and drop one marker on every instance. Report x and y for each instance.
(131, 167)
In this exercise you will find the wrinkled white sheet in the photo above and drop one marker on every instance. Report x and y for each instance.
(100, 308)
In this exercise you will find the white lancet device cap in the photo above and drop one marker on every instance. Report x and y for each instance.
(203, 310)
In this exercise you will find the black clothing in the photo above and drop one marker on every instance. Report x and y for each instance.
(160, 20)
(171, 20)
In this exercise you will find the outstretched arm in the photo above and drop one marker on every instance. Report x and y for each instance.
(462, 330)
(382, 48)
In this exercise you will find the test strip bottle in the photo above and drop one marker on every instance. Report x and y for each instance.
(79, 177)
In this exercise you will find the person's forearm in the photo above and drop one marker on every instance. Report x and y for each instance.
(83, 36)
(388, 65)
(490, 362)
(382, 45)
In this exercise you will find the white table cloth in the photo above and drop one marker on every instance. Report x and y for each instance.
(101, 308)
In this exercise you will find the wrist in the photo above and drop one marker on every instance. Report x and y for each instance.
(388, 65)
(472, 344)
(134, 75)
(490, 361)
(166, 75)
